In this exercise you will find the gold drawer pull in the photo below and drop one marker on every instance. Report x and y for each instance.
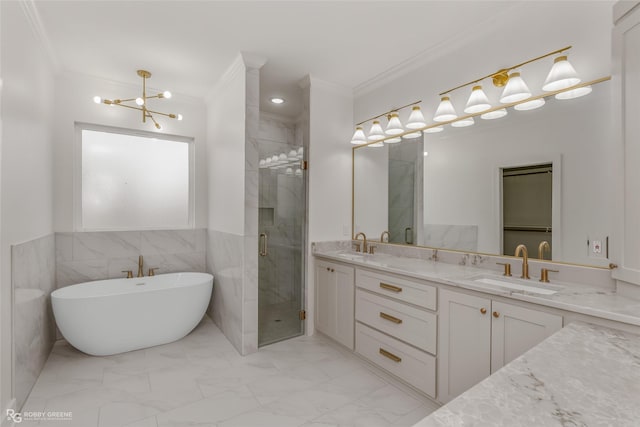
(390, 287)
(391, 356)
(390, 318)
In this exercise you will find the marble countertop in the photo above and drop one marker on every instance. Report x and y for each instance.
(584, 375)
(591, 300)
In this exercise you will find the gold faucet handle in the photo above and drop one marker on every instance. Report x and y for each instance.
(544, 274)
(129, 273)
(152, 271)
(372, 249)
(507, 268)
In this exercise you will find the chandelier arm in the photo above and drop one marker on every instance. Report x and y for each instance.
(170, 115)
(128, 106)
(504, 70)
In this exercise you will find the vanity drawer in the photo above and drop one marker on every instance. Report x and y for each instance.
(409, 364)
(401, 289)
(409, 324)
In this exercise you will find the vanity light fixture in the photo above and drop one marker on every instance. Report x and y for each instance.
(416, 119)
(562, 82)
(478, 101)
(359, 137)
(141, 102)
(412, 135)
(445, 111)
(515, 90)
(376, 132)
(394, 127)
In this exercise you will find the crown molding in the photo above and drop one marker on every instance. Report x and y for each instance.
(35, 22)
(434, 52)
(335, 88)
(236, 67)
(252, 60)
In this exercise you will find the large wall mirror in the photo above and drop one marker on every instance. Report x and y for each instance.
(534, 176)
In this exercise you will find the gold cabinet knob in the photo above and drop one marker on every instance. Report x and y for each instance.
(328, 269)
(496, 314)
(483, 310)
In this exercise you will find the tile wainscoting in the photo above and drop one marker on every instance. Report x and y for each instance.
(86, 256)
(33, 273)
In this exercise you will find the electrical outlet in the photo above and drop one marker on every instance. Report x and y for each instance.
(596, 247)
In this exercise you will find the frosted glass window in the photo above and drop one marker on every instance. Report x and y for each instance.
(134, 182)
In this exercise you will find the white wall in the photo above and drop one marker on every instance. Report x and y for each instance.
(26, 165)
(579, 131)
(329, 156)
(74, 100)
(371, 191)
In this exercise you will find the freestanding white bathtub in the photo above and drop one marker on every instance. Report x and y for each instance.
(117, 315)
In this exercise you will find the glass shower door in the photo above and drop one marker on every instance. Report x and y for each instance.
(281, 221)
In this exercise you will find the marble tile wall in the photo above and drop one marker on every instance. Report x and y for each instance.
(459, 237)
(86, 256)
(33, 270)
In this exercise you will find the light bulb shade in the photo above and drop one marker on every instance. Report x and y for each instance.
(530, 105)
(140, 101)
(394, 127)
(574, 93)
(516, 89)
(282, 158)
(166, 94)
(416, 119)
(97, 99)
(463, 123)
(376, 144)
(263, 163)
(412, 135)
(477, 102)
(298, 172)
(179, 116)
(359, 137)
(494, 114)
(275, 160)
(293, 155)
(561, 76)
(445, 111)
(393, 140)
(267, 161)
(376, 132)
(289, 171)
(435, 129)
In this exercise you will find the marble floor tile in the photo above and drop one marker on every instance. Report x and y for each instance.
(202, 381)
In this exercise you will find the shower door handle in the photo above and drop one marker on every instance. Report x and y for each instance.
(263, 244)
(408, 235)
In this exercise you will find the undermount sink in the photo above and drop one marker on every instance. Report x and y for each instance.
(517, 285)
(352, 256)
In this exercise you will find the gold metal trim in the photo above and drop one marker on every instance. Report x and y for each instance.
(391, 288)
(390, 355)
(302, 315)
(390, 318)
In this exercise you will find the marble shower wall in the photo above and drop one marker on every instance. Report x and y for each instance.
(86, 256)
(33, 272)
(460, 237)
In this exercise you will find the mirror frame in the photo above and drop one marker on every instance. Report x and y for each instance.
(611, 265)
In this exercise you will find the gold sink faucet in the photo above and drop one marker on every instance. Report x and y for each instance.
(382, 236)
(364, 241)
(140, 263)
(543, 245)
(525, 260)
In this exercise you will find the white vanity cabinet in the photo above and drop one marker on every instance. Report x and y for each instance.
(477, 336)
(334, 285)
(396, 327)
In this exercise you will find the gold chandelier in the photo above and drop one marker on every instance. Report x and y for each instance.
(141, 102)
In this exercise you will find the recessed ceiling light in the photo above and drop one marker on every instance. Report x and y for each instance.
(277, 100)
